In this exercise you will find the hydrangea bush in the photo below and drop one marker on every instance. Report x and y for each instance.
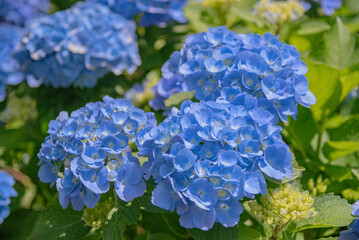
(153, 12)
(78, 46)
(87, 150)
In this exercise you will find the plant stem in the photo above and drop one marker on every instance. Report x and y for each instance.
(320, 137)
(114, 191)
(276, 232)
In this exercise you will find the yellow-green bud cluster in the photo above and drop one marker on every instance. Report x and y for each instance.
(279, 12)
(216, 3)
(318, 187)
(97, 217)
(283, 205)
(19, 110)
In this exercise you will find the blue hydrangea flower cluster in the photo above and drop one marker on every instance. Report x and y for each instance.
(220, 64)
(6, 191)
(22, 12)
(329, 6)
(10, 73)
(353, 231)
(154, 12)
(86, 151)
(206, 156)
(78, 46)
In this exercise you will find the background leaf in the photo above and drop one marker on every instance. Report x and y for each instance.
(57, 223)
(339, 44)
(215, 233)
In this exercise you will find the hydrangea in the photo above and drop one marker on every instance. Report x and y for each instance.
(220, 64)
(206, 156)
(353, 231)
(22, 12)
(329, 6)
(279, 12)
(78, 46)
(154, 12)
(10, 73)
(6, 191)
(283, 205)
(86, 151)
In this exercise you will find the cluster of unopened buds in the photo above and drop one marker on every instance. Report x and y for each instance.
(283, 205)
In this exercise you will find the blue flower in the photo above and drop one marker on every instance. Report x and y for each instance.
(153, 12)
(276, 162)
(329, 6)
(205, 157)
(78, 46)
(22, 12)
(88, 150)
(129, 183)
(10, 73)
(6, 191)
(353, 228)
(225, 66)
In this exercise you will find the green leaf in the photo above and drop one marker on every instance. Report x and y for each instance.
(161, 236)
(178, 98)
(325, 84)
(302, 130)
(248, 233)
(339, 173)
(312, 27)
(115, 227)
(215, 233)
(166, 223)
(333, 211)
(334, 150)
(344, 139)
(9, 229)
(348, 131)
(339, 45)
(124, 214)
(57, 223)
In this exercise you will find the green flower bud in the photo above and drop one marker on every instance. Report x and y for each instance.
(319, 186)
(97, 217)
(283, 205)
